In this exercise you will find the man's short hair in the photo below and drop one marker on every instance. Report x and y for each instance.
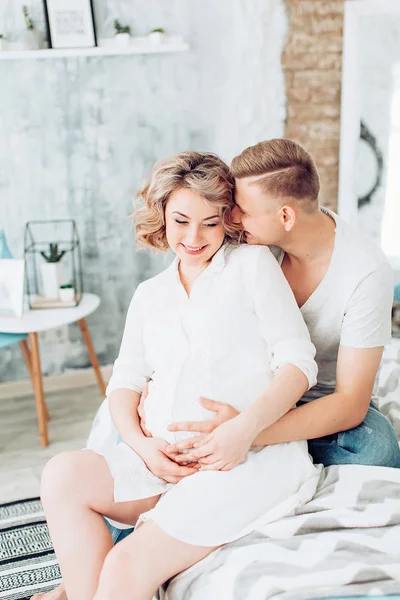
(286, 171)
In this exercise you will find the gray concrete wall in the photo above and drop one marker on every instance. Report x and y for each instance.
(78, 134)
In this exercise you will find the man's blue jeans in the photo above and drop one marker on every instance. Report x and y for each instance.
(373, 442)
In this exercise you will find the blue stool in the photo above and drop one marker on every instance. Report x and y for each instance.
(8, 339)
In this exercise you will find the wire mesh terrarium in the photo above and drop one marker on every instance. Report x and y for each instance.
(53, 264)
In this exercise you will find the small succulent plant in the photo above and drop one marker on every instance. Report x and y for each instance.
(53, 256)
(158, 30)
(28, 21)
(121, 28)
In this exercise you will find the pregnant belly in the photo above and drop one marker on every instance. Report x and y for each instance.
(183, 403)
(159, 415)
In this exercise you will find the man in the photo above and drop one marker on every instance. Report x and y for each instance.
(343, 285)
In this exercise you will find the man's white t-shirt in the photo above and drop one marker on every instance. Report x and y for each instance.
(352, 304)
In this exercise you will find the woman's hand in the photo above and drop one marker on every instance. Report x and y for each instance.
(222, 449)
(224, 412)
(154, 453)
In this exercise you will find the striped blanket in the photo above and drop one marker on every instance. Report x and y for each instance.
(345, 542)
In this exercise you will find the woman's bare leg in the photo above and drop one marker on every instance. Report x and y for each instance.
(139, 564)
(77, 488)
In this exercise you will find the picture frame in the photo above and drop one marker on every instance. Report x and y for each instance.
(12, 279)
(70, 23)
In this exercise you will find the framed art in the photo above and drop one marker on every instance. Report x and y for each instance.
(70, 23)
(12, 272)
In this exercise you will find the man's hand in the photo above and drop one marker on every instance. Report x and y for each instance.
(224, 412)
(223, 448)
(154, 453)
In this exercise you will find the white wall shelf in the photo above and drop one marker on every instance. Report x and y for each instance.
(140, 47)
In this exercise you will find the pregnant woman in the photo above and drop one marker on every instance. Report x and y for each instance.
(220, 322)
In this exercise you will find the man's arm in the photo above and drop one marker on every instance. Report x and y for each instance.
(365, 328)
(344, 409)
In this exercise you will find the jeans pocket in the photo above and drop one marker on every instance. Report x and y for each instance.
(355, 440)
(326, 440)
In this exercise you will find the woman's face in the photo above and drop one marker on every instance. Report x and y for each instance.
(193, 227)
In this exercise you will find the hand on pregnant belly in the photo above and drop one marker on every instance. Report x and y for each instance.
(154, 453)
(223, 448)
(223, 412)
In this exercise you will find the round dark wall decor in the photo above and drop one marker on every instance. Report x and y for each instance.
(370, 139)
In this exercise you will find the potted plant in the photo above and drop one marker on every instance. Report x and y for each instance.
(51, 271)
(122, 33)
(156, 36)
(67, 292)
(2, 42)
(32, 39)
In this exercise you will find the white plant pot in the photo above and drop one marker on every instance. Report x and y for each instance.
(122, 39)
(156, 37)
(67, 294)
(3, 44)
(51, 279)
(32, 39)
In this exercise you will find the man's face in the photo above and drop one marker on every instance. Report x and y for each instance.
(257, 213)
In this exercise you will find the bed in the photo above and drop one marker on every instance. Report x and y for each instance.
(344, 543)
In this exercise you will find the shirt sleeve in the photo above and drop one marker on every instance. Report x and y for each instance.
(367, 319)
(282, 324)
(131, 370)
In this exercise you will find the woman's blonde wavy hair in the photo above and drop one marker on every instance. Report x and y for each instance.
(201, 172)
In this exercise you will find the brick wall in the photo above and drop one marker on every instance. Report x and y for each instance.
(312, 66)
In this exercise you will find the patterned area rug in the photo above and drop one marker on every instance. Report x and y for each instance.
(27, 562)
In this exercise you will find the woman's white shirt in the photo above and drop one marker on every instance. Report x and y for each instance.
(239, 326)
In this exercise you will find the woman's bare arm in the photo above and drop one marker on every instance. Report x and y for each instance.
(124, 412)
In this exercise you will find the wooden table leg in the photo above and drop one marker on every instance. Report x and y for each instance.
(38, 387)
(92, 355)
(28, 361)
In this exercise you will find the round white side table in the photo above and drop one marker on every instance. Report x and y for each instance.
(42, 319)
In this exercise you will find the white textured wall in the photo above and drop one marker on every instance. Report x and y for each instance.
(77, 135)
